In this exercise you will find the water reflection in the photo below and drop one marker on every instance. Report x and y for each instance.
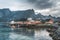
(42, 35)
(24, 34)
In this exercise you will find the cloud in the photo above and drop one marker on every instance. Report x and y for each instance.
(27, 4)
(14, 4)
(41, 4)
(46, 7)
(55, 11)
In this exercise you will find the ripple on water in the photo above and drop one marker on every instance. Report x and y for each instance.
(24, 35)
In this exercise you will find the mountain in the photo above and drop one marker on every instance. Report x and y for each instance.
(22, 14)
(39, 16)
(7, 15)
(4, 14)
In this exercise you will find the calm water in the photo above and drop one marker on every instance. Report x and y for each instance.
(24, 34)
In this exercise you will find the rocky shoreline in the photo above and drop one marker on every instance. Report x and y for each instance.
(54, 33)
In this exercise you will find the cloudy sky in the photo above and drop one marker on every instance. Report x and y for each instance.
(45, 7)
